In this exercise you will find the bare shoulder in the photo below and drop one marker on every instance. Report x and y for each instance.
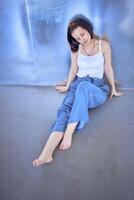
(106, 47)
(74, 54)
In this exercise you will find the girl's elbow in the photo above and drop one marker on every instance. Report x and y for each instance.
(108, 70)
(74, 70)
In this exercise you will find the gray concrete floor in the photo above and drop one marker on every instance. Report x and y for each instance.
(99, 166)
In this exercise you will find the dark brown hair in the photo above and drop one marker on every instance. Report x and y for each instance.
(82, 21)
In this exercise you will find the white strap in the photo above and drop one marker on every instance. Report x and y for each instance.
(79, 50)
(100, 44)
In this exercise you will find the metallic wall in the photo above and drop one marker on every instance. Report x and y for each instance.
(33, 45)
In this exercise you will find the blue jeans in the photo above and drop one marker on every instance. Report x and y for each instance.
(84, 93)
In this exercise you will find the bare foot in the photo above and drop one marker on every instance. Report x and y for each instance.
(41, 160)
(66, 142)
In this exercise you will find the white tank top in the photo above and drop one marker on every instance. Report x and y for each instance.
(91, 65)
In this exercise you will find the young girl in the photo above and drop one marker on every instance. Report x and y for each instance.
(85, 87)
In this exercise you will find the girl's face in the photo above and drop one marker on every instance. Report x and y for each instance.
(81, 35)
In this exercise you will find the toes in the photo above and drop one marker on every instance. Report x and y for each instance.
(61, 146)
(36, 162)
(39, 162)
(65, 146)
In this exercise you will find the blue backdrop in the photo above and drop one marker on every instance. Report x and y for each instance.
(33, 44)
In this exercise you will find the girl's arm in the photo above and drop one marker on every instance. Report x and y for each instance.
(72, 73)
(108, 69)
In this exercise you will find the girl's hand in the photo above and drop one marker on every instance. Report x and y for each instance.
(115, 93)
(61, 88)
(62, 83)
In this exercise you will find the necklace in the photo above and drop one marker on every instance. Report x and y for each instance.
(91, 51)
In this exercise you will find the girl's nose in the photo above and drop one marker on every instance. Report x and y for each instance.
(82, 39)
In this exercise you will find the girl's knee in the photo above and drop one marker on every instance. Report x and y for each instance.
(61, 133)
(84, 86)
(97, 100)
